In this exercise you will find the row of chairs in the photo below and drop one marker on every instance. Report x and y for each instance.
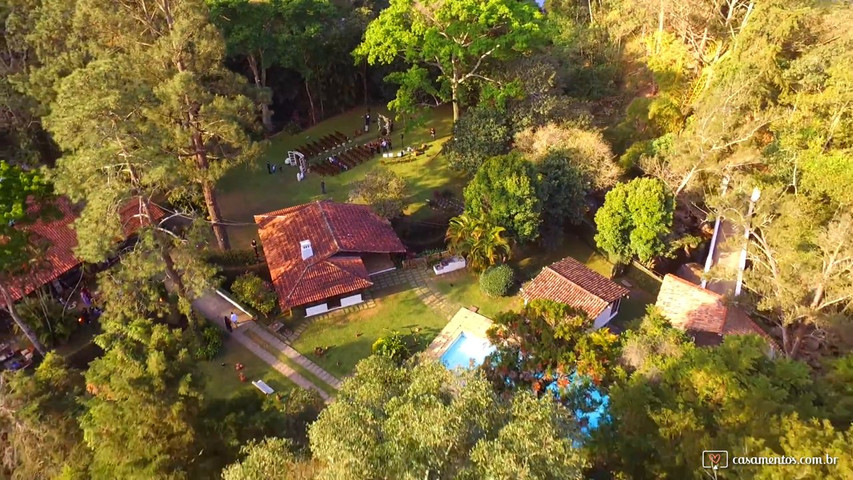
(330, 141)
(345, 160)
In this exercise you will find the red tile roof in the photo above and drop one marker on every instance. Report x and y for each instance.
(691, 307)
(334, 230)
(132, 216)
(571, 282)
(694, 309)
(58, 258)
(61, 240)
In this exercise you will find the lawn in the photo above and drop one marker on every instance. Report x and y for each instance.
(249, 189)
(464, 290)
(223, 382)
(349, 337)
(529, 260)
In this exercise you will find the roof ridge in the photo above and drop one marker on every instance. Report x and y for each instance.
(299, 279)
(329, 226)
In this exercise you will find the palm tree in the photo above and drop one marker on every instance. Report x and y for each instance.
(481, 243)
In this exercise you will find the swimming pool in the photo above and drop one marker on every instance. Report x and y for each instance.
(465, 348)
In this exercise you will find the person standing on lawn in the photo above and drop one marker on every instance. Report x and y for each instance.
(255, 248)
(323, 186)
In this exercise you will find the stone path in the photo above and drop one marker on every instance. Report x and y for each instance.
(216, 309)
(417, 278)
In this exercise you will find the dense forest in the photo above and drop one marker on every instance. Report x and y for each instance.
(661, 116)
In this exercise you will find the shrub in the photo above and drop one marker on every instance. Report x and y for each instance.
(210, 343)
(497, 281)
(392, 346)
(231, 258)
(253, 291)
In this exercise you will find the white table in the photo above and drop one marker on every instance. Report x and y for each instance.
(449, 265)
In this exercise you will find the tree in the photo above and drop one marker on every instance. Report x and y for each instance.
(635, 220)
(549, 338)
(270, 459)
(230, 426)
(198, 111)
(252, 32)
(480, 133)
(802, 265)
(458, 38)
(141, 418)
(109, 142)
(504, 192)
(19, 255)
(482, 244)
(583, 148)
(385, 192)
(673, 407)
(38, 421)
(562, 191)
(425, 422)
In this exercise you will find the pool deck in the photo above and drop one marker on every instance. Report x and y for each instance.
(464, 321)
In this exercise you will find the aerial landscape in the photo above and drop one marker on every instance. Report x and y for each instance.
(426, 239)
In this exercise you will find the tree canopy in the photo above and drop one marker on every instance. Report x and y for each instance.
(459, 39)
(505, 192)
(635, 220)
(424, 421)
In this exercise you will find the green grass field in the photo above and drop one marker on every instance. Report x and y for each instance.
(223, 382)
(465, 291)
(351, 336)
(249, 190)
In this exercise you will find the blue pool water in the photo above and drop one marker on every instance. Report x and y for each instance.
(466, 348)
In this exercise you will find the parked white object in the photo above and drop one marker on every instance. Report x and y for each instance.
(449, 265)
(262, 386)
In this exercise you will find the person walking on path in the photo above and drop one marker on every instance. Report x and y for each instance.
(367, 121)
(227, 325)
(323, 186)
(255, 248)
(432, 132)
(233, 320)
(269, 167)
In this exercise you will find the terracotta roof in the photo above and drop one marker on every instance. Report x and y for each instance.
(334, 230)
(571, 282)
(691, 307)
(132, 217)
(58, 258)
(60, 240)
(701, 312)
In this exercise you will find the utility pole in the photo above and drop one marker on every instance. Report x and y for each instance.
(756, 194)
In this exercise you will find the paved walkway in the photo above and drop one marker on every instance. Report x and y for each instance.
(216, 309)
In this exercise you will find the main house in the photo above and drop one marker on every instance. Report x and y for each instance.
(702, 313)
(321, 255)
(571, 282)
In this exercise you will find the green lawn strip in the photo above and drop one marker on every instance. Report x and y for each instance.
(350, 336)
(223, 382)
(248, 190)
(529, 260)
(465, 292)
(295, 366)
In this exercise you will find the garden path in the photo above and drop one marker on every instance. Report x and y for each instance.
(249, 334)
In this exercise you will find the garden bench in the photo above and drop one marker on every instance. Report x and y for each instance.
(262, 386)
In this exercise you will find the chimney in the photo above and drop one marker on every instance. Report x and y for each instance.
(307, 251)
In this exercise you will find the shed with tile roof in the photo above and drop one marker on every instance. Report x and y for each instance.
(703, 314)
(573, 283)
